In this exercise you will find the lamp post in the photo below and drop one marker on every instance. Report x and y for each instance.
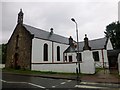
(77, 43)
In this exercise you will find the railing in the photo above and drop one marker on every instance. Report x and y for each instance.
(101, 64)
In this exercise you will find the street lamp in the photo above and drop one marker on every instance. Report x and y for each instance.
(77, 43)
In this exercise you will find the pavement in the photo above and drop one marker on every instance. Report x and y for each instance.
(101, 77)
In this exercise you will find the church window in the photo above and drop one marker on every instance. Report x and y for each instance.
(45, 52)
(58, 53)
(96, 56)
(17, 39)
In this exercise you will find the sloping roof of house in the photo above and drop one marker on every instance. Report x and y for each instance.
(70, 49)
(42, 34)
(95, 44)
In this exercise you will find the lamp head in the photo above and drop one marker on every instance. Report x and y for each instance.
(73, 19)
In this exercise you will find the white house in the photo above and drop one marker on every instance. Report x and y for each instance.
(99, 49)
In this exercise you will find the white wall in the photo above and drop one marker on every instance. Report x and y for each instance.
(55, 67)
(37, 51)
(63, 47)
(87, 65)
(73, 56)
(102, 58)
(2, 65)
(109, 45)
(98, 63)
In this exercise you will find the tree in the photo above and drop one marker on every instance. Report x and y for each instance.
(4, 48)
(113, 32)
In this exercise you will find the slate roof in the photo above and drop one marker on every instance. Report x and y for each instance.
(42, 34)
(94, 44)
(70, 49)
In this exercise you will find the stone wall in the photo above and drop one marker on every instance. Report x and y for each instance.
(19, 49)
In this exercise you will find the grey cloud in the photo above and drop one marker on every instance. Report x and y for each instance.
(90, 16)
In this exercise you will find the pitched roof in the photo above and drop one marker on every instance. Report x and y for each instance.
(70, 49)
(95, 44)
(42, 34)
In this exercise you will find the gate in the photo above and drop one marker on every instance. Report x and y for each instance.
(113, 60)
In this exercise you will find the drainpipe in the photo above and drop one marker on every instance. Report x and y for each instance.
(102, 57)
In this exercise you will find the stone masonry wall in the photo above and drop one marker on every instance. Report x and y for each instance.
(23, 50)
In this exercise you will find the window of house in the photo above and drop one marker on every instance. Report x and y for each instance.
(70, 58)
(45, 52)
(79, 56)
(17, 39)
(58, 53)
(96, 56)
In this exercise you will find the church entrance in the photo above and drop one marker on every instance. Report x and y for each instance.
(16, 61)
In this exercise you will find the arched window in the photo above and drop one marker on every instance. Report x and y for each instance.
(45, 52)
(17, 39)
(58, 53)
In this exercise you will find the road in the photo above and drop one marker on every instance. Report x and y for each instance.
(24, 82)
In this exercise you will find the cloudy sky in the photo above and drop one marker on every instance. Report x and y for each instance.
(92, 17)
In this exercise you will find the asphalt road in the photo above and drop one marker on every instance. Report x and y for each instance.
(30, 82)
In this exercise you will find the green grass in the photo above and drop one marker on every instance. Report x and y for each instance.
(98, 69)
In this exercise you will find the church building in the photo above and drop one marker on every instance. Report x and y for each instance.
(36, 49)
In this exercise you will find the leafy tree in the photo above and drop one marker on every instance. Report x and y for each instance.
(113, 32)
(0, 53)
(4, 48)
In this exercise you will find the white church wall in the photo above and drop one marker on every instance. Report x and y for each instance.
(70, 68)
(37, 50)
(63, 47)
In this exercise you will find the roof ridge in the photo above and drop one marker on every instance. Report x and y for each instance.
(94, 39)
(45, 31)
(35, 28)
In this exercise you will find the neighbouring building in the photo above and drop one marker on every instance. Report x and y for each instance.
(36, 49)
(99, 48)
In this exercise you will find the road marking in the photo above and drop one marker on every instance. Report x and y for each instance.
(103, 84)
(69, 80)
(24, 83)
(63, 82)
(53, 86)
(86, 86)
(36, 85)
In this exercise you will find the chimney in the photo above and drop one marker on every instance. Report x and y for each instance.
(86, 44)
(51, 31)
(71, 41)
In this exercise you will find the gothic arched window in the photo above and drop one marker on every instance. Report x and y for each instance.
(17, 41)
(45, 52)
(58, 53)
